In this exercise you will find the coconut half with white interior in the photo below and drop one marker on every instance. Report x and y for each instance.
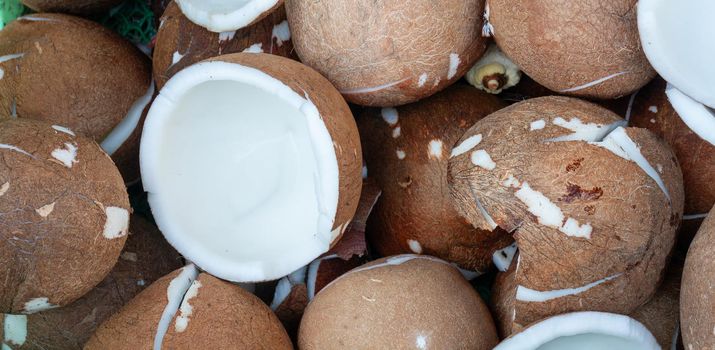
(586, 330)
(252, 165)
(226, 15)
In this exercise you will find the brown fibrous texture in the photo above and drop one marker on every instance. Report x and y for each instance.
(58, 195)
(415, 213)
(74, 73)
(388, 53)
(81, 7)
(181, 43)
(582, 48)
(398, 305)
(616, 226)
(697, 300)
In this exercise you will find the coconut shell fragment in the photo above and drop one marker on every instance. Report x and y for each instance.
(593, 206)
(407, 150)
(65, 215)
(75, 73)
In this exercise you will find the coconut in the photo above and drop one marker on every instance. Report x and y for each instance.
(71, 6)
(407, 151)
(651, 109)
(696, 294)
(583, 330)
(556, 43)
(227, 15)
(494, 72)
(187, 309)
(65, 215)
(593, 206)
(441, 309)
(276, 165)
(145, 258)
(73, 72)
(181, 43)
(388, 53)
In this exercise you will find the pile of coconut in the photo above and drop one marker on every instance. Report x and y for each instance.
(412, 174)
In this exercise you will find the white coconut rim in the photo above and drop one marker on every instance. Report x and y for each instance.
(580, 323)
(677, 38)
(698, 117)
(224, 15)
(272, 265)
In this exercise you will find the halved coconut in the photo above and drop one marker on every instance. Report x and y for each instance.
(71, 6)
(65, 215)
(73, 72)
(583, 330)
(677, 39)
(593, 206)
(407, 150)
(272, 174)
(226, 15)
(181, 43)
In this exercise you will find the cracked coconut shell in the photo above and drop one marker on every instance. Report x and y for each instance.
(400, 302)
(181, 43)
(697, 299)
(75, 73)
(388, 53)
(65, 215)
(407, 151)
(83, 7)
(146, 257)
(213, 314)
(582, 48)
(593, 206)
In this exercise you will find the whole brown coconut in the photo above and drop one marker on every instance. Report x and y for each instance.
(65, 215)
(75, 73)
(188, 310)
(583, 48)
(71, 6)
(407, 151)
(400, 302)
(593, 206)
(697, 299)
(181, 43)
(388, 53)
(145, 258)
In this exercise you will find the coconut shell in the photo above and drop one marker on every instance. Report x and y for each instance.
(290, 311)
(397, 303)
(335, 114)
(74, 73)
(353, 242)
(697, 299)
(181, 43)
(589, 224)
(651, 110)
(416, 185)
(581, 48)
(65, 215)
(388, 53)
(145, 258)
(83, 7)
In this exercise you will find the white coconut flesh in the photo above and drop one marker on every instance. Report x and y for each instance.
(224, 15)
(698, 117)
(241, 172)
(677, 37)
(176, 293)
(584, 331)
(122, 131)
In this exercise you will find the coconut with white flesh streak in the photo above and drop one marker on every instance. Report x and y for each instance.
(83, 7)
(583, 330)
(680, 62)
(556, 44)
(226, 15)
(72, 198)
(107, 100)
(441, 310)
(195, 43)
(178, 310)
(294, 175)
(698, 117)
(384, 53)
(593, 207)
(416, 186)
